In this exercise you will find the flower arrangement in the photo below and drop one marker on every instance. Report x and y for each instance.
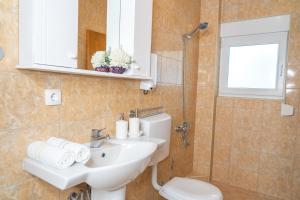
(118, 61)
(100, 61)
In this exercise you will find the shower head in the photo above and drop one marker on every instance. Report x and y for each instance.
(200, 27)
(203, 25)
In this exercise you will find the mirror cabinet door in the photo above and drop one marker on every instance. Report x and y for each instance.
(55, 32)
(113, 24)
(136, 32)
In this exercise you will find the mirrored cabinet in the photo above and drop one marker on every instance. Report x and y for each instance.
(63, 35)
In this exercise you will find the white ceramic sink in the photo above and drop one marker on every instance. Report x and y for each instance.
(108, 171)
(118, 163)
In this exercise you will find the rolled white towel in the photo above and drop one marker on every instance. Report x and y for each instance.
(50, 155)
(82, 152)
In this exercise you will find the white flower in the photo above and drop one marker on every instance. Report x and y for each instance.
(99, 59)
(119, 58)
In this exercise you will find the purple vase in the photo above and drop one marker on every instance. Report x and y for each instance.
(117, 70)
(102, 69)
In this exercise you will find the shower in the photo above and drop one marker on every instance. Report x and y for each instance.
(184, 127)
(201, 26)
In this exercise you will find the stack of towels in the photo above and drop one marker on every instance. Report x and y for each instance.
(58, 153)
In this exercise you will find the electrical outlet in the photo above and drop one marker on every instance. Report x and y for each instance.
(52, 97)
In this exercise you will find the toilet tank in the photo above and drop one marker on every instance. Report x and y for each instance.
(158, 126)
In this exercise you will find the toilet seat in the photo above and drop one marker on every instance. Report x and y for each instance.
(189, 189)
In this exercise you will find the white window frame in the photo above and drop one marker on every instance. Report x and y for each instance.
(269, 30)
(251, 40)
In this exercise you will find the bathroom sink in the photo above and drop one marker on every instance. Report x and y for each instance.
(107, 155)
(117, 163)
(108, 171)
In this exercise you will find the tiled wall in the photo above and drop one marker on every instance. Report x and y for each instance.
(169, 67)
(255, 148)
(88, 103)
(206, 88)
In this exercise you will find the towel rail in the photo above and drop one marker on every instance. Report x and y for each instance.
(147, 112)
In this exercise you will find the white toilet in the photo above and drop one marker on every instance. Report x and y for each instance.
(157, 128)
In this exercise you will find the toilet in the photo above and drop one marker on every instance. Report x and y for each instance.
(157, 128)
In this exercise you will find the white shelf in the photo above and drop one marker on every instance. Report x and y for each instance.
(83, 72)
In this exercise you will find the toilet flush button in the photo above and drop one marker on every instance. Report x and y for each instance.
(52, 97)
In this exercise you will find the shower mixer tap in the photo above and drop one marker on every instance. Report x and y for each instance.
(184, 130)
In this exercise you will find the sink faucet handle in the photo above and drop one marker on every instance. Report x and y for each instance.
(133, 113)
(96, 133)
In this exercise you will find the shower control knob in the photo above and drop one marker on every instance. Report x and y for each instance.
(182, 128)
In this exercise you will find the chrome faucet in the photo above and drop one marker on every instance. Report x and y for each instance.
(98, 137)
(183, 129)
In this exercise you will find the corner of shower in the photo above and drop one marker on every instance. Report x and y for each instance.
(185, 126)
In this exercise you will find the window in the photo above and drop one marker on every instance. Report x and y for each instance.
(253, 65)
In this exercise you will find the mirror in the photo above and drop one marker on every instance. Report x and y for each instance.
(63, 36)
(92, 23)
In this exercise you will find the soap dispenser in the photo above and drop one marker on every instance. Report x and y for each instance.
(121, 128)
(134, 124)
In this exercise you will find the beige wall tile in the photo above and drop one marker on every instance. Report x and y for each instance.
(245, 140)
(204, 117)
(205, 97)
(293, 50)
(247, 119)
(243, 178)
(282, 145)
(201, 169)
(203, 155)
(248, 160)
(296, 183)
(226, 102)
(203, 136)
(221, 172)
(222, 154)
(230, 13)
(43, 191)
(22, 100)
(274, 183)
(224, 117)
(207, 56)
(296, 178)
(293, 72)
(208, 41)
(270, 161)
(223, 135)
(18, 191)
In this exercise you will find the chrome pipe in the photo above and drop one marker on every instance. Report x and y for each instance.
(151, 114)
(150, 109)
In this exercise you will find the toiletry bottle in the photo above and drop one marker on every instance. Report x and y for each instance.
(121, 128)
(134, 124)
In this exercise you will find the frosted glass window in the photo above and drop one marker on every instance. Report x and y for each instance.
(253, 66)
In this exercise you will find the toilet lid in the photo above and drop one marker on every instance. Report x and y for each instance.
(190, 189)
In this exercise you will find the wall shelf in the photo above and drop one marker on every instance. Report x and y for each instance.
(65, 70)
